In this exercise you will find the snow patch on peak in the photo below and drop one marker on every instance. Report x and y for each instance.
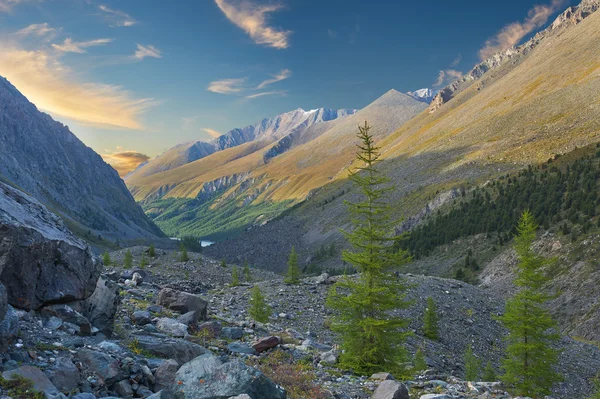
(423, 95)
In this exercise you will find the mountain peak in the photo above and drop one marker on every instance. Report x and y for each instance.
(423, 95)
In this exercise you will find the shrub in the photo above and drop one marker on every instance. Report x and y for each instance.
(235, 279)
(419, 362)
(183, 255)
(293, 273)
(489, 374)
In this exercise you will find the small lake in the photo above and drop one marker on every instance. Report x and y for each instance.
(205, 243)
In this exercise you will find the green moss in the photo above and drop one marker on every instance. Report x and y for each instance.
(19, 387)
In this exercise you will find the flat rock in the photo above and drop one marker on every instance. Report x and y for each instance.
(390, 389)
(172, 327)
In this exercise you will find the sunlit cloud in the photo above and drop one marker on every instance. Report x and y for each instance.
(117, 18)
(282, 75)
(54, 88)
(7, 5)
(267, 93)
(213, 133)
(512, 34)
(252, 19)
(39, 30)
(447, 76)
(227, 86)
(456, 61)
(124, 161)
(146, 51)
(69, 46)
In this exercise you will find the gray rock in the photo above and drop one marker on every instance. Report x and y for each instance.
(110, 346)
(9, 326)
(100, 308)
(242, 348)
(222, 380)
(440, 396)
(105, 366)
(37, 377)
(165, 374)
(190, 318)
(84, 395)
(181, 350)
(330, 357)
(42, 261)
(64, 375)
(67, 314)
(123, 389)
(232, 332)
(142, 317)
(53, 323)
(309, 344)
(182, 302)
(390, 389)
(382, 376)
(172, 327)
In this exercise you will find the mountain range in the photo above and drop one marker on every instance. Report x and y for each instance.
(43, 158)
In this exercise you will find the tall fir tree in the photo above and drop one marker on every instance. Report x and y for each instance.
(372, 339)
(259, 310)
(128, 262)
(235, 278)
(247, 274)
(472, 365)
(152, 251)
(183, 254)
(430, 322)
(293, 273)
(106, 258)
(530, 357)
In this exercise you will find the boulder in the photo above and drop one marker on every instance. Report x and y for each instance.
(100, 308)
(390, 389)
(142, 317)
(241, 348)
(232, 332)
(9, 327)
(172, 327)
(165, 374)
(64, 375)
(42, 262)
(190, 318)
(123, 389)
(104, 366)
(382, 376)
(222, 380)
(67, 314)
(212, 328)
(182, 302)
(40, 382)
(171, 348)
(441, 396)
(330, 357)
(265, 344)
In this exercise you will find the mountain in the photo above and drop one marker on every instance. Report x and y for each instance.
(267, 129)
(522, 110)
(424, 95)
(43, 158)
(254, 182)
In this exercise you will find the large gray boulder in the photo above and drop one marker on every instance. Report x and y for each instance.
(222, 380)
(104, 366)
(390, 389)
(182, 302)
(100, 308)
(64, 375)
(39, 380)
(170, 348)
(41, 261)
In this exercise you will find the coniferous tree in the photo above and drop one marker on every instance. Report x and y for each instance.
(235, 279)
(293, 273)
(430, 322)
(128, 262)
(223, 263)
(419, 362)
(259, 309)
(143, 261)
(106, 258)
(247, 274)
(372, 339)
(183, 254)
(152, 251)
(596, 382)
(472, 365)
(489, 373)
(530, 358)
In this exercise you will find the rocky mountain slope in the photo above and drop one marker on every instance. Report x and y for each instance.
(268, 129)
(510, 116)
(43, 158)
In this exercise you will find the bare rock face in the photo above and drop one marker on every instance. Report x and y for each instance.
(41, 261)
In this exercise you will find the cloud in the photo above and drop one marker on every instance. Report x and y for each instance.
(147, 51)
(53, 87)
(227, 86)
(252, 19)
(7, 5)
(267, 93)
(69, 46)
(456, 61)
(124, 161)
(118, 18)
(332, 33)
(39, 30)
(446, 76)
(212, 132)
(512, 34)
(282, 75)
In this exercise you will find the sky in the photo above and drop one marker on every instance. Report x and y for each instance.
(132, 78)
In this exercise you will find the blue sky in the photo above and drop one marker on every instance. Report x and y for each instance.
(135, 76)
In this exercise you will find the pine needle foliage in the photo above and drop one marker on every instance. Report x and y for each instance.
(128, 261)
(183, 254)
(530, 357)
(372, 338)
(152, 251)
(293, 273)
(259, 309)
(472, 365)
(247, 274)
(430, 322)
(489, 373)
(106, 258)
(419, 362)
(235, 278)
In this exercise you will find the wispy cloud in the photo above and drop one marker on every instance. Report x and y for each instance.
(227, 86)
(124, 161)
(512, 34)
(7, 5)
(456, 61)
(69, 46)
(53, 87)
(446, 76)
(212, 132)
(117, 18)
(253, 19)
(332, 33)
(267, 93)
(282, 75)
(146, 51)
(39, 30)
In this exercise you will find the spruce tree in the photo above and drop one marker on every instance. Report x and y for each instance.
(430, 323)
(247, 274)
(530, 358)
(372, 339)
(128, 262)
(106, 258)
(223, 263)
(259, 309)
(472, 365)
(143, 261)
(419, 362)
(235, 279)
(183, 255)
(152, 251)
(293, 273)
(489, 373)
